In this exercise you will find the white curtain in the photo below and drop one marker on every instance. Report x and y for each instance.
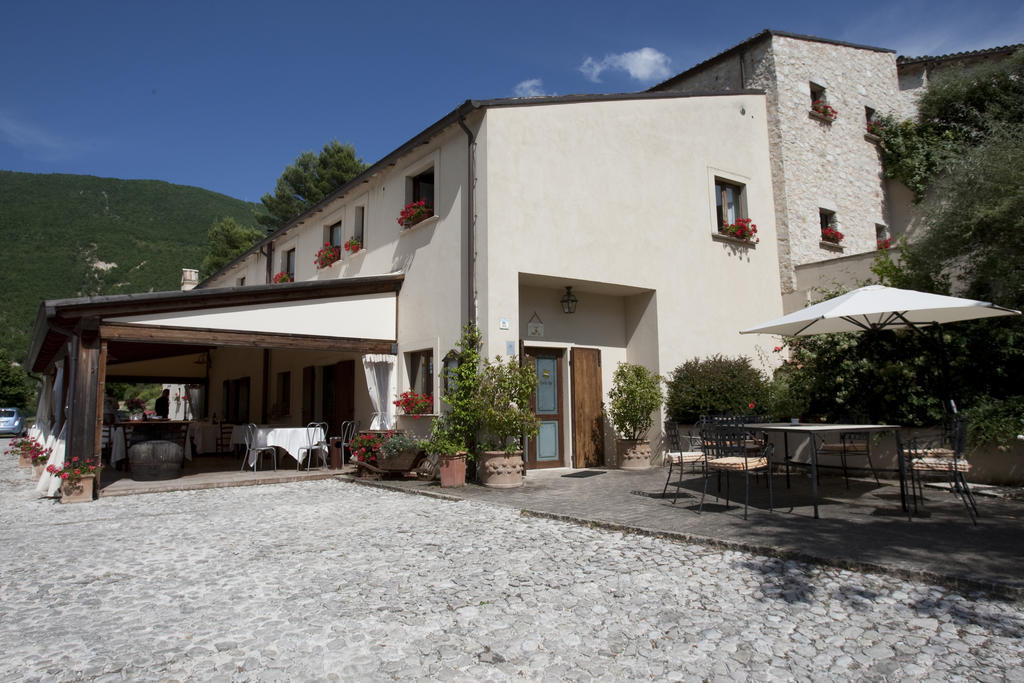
(379, 369)
(194, 396)
(49, 484)
(41, 428)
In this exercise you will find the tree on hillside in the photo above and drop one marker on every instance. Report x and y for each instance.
(17, 390)
(309, 181)
(228, 239)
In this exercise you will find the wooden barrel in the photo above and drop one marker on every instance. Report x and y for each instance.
(156, 460)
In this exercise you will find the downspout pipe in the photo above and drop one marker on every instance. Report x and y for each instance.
(471, 223)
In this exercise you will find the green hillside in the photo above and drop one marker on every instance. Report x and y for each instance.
(74, 235)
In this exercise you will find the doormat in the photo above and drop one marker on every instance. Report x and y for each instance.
(583, 473)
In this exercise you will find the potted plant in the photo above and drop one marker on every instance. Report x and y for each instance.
(450, 453)
(353, 245)
(414, 212)
(281, 277)
(415, 404)
(136, 406)
(366, 447)
(504, 392)
(396, 445)
(832, 235)
(635, 395)
(328, 255)
(77, 479)
(742, 229)
(823, 110)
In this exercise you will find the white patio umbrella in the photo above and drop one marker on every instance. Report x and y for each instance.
(879, 308)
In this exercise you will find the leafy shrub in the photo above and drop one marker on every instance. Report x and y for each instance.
(713, 386)
(995, 422)
(504, 394)
(634, 396)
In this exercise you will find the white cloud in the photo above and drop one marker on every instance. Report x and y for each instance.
(531, 88)
(645, 64)
(31, 139)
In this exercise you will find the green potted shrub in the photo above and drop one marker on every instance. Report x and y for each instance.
(504, 393)
(635, 395)
(449, 451)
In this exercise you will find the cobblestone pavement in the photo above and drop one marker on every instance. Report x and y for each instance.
(331, 580)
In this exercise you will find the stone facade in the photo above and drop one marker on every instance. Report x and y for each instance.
(816, 164)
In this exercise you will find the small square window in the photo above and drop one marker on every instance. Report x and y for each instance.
(729, 203)
(817, 94)
(827, 219)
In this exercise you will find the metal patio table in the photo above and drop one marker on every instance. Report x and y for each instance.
(816, 429)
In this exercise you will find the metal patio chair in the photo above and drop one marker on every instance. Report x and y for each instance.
(677, 457)
(255, 452)
(944, 462)
(316, 442)
(728, 450)
(850, 445)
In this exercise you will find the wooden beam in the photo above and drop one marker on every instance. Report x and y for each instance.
(81, 441)
(155, 334)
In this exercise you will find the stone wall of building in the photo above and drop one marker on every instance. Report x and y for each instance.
(830, 165)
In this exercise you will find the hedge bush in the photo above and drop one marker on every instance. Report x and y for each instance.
(715, 386)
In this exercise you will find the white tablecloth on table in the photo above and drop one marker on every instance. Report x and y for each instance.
(204, 434)
(117, 445)
(290, 439)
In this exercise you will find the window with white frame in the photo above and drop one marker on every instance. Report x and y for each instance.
(288, 263)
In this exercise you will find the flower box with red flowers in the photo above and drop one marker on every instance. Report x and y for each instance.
(414, 212)
(28, 449)
(328, 255)
(743, 229)
(281, 277)
(366, 446)
(874, 128)
(412, 403)
(831, 235)
(884, 244)
(824, 110)
(75, 469)
(353, 245)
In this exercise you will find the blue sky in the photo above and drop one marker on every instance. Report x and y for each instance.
(224, 94)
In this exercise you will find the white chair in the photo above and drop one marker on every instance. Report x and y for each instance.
(254, 452)
(316, 440)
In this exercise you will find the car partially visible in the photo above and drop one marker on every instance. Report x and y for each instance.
(11, 421)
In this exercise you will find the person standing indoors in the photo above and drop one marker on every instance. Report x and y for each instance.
(163, 405)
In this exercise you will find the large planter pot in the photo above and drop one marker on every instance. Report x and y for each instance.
(24, 461)
(37, 470)
(453, 470)
(156, 460)
(79, 491)
(500, 470)
(633, 454)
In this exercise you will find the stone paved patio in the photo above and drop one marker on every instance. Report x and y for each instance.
(329, 580)
(858, 527)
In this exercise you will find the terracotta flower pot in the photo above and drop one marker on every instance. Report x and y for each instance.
(24, 461)
(501, 470)
(633, 454)
(37, 470)
(77, 491)
(453, 470)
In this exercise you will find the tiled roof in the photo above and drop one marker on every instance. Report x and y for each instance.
(1003, 49)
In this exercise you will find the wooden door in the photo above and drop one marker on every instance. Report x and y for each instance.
(339, 394)
(587, 408)
(546, 449)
